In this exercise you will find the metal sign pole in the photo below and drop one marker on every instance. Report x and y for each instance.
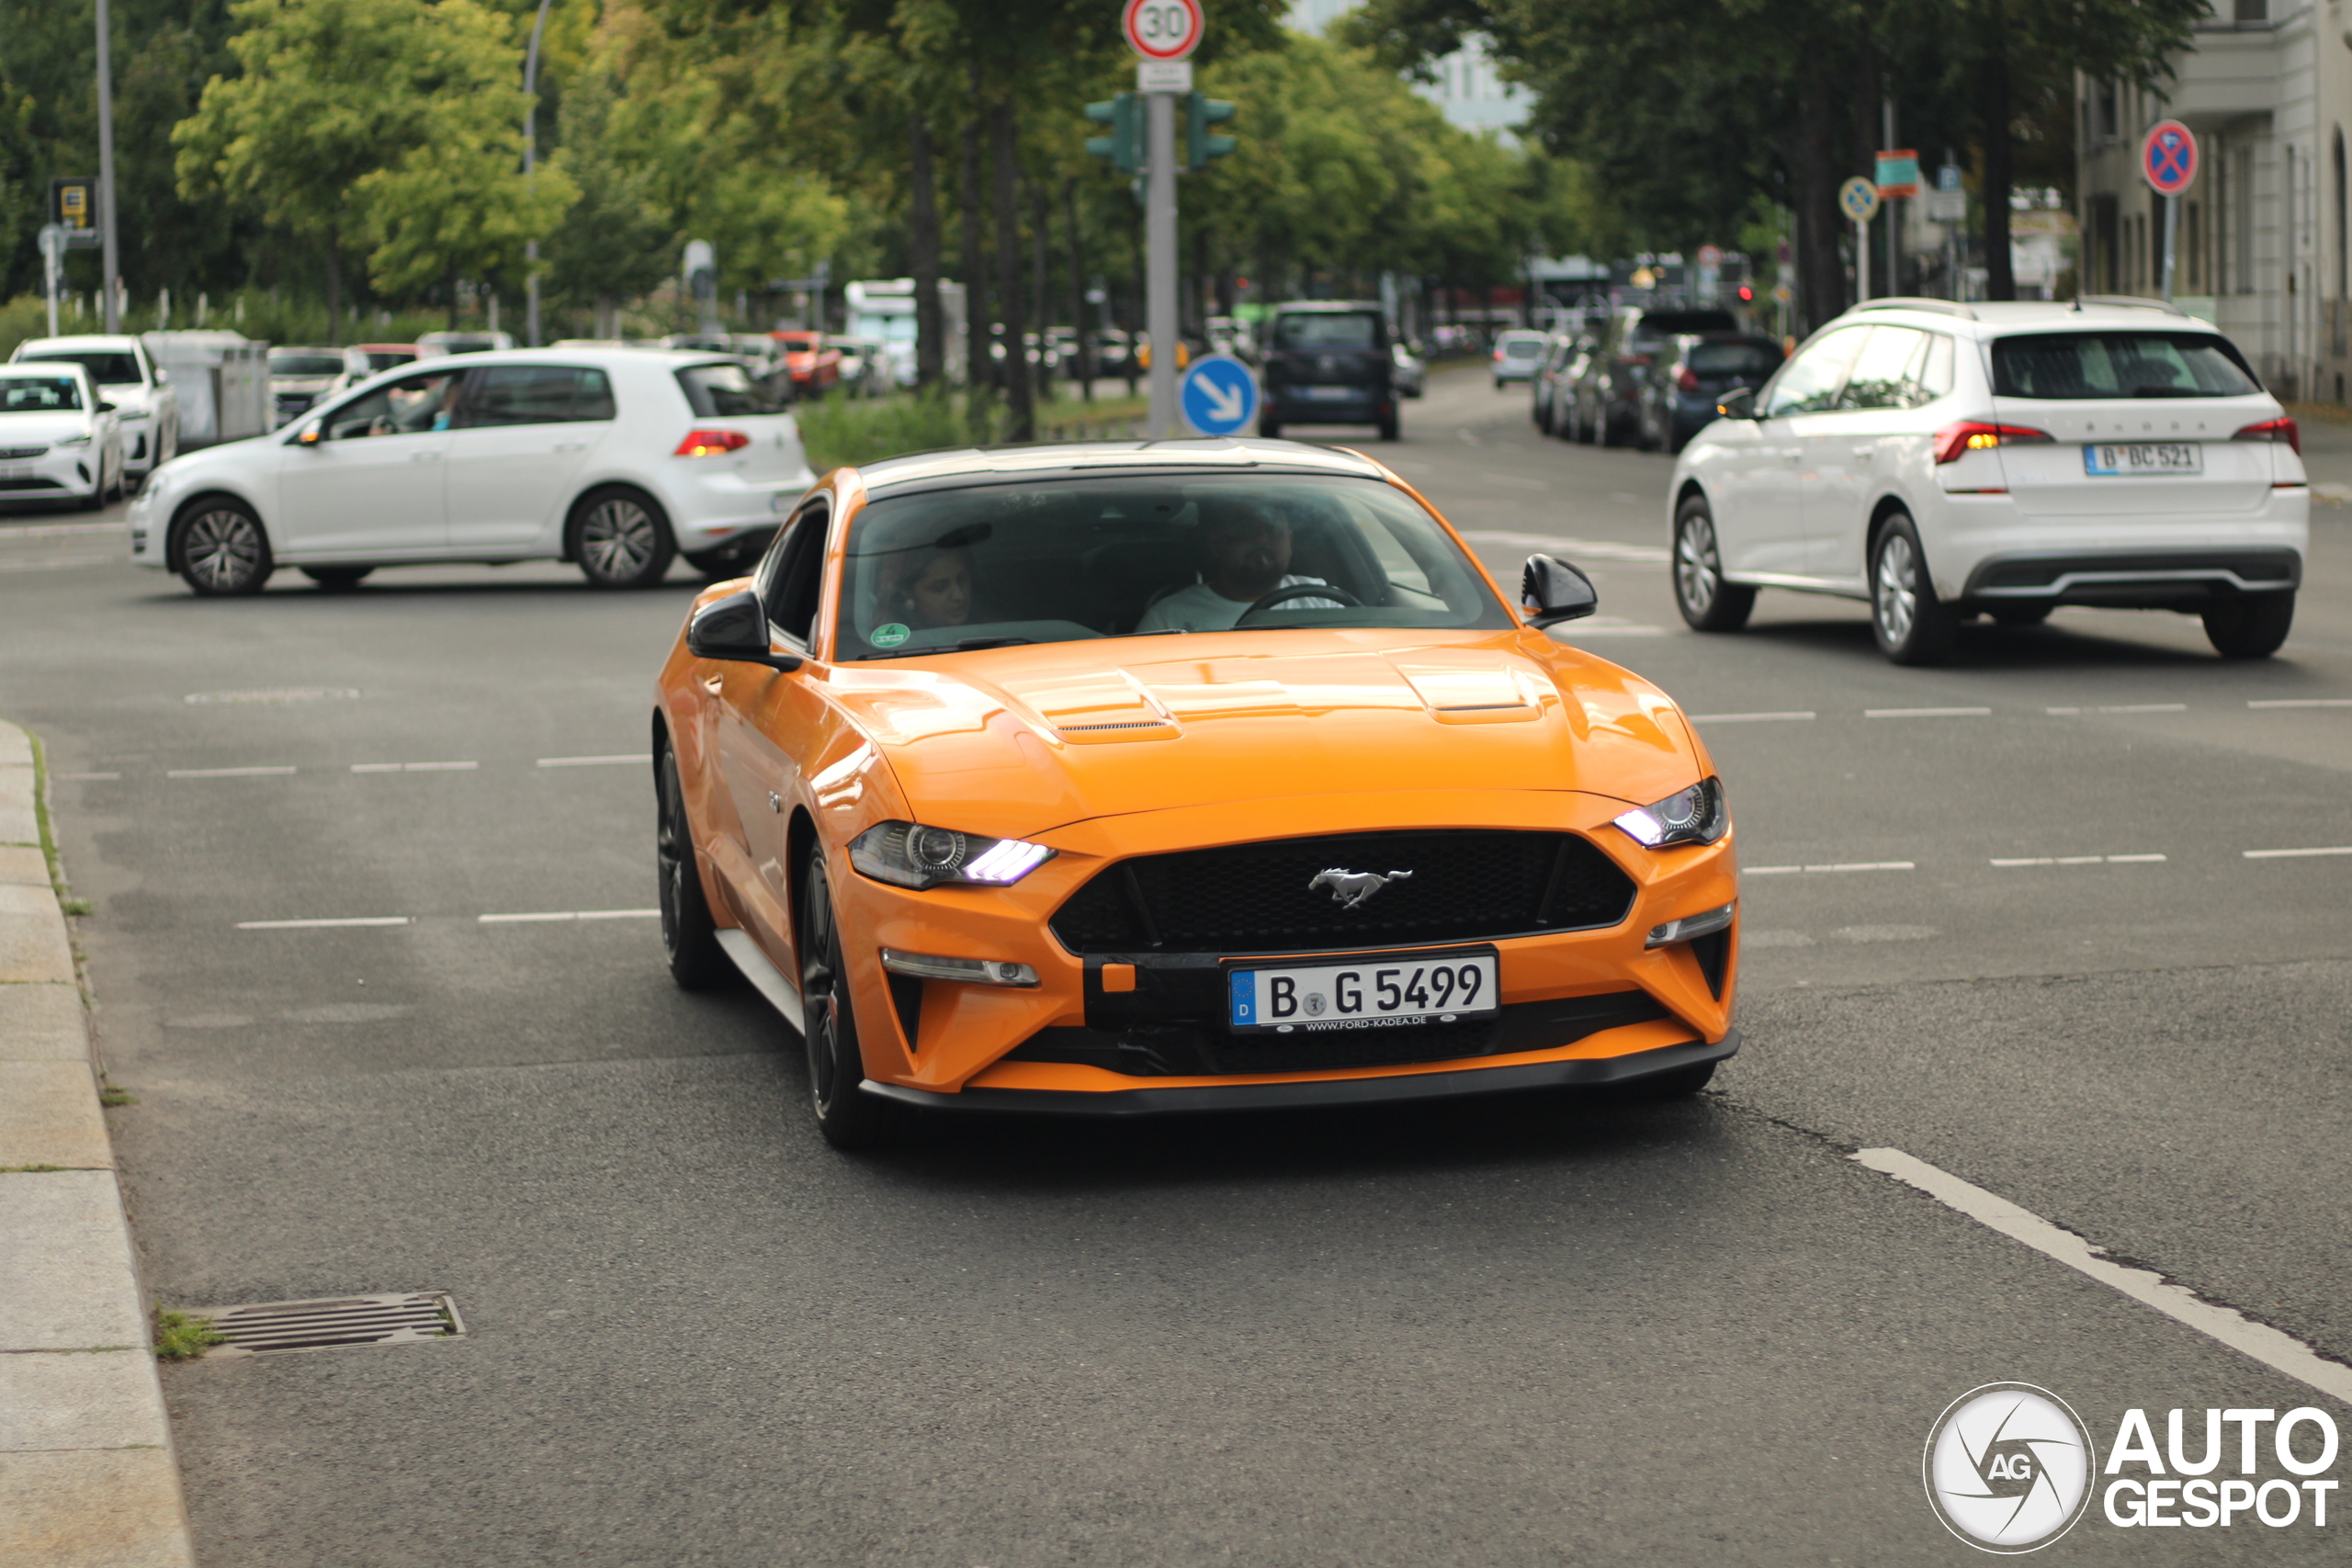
(2171, 232)
(1160, 252)
(53, 259)
(110, 259)
(1861, 260)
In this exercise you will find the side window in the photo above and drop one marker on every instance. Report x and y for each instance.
(535, 394)
(409, 406)
(1809, 383)
(1935, 369)
(1882, 376)
(792, 587)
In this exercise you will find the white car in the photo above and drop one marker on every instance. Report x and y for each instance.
(141, 391)
(59, 438)
(613, 458)
(298, 378)
(1943, 460)
(1517, 355)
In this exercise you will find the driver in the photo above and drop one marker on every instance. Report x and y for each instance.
(1248, 551)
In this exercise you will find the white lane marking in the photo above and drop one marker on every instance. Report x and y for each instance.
(2083, 860)
(1599, 550)
(2279, 1352)
(58, 563)
(2304, 703)
(540, 917)
(306, 925)
(1608, 625)
(2297, 854)
(2126, 708)
(1925, 713)
(414, 767)
(276, 694)
(62, 776)
(594, 762)
(226, 773)
(1857, 866)
(1744, 717)
(50, 530)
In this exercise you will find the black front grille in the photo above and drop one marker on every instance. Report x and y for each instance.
(1466, 885)
(8, 454)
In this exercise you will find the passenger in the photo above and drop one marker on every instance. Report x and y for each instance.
(1248, 551)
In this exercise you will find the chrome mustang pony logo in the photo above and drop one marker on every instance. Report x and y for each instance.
(1353, 889)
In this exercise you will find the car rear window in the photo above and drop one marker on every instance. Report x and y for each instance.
(1356, 329)
(1732, 358)
(106, 368)
(1522, 348)
(725, 391)
(1671, 323)
(39, 394)
(2077, 366)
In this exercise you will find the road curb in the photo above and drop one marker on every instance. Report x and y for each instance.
(87, 1475)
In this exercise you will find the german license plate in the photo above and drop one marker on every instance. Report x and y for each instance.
(2145, 458)
(1381, 991)
(15, 470)
(1332, 394)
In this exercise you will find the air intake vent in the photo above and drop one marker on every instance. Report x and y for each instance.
(401, 1319)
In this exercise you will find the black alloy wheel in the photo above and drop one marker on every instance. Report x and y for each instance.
(1913, 626)
(220, 550)
(2252, 626)
(849, 1118)
(1708, 603)
(689, 936)
(619, 539)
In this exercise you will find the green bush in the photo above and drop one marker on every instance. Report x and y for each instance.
(857, 430)
(25, 316)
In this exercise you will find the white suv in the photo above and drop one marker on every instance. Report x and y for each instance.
(615, 459)
(1944, 460)
(128, 378)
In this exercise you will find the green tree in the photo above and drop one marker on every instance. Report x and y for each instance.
(615, 241)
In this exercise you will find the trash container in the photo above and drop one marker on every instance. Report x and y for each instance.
(222, 380)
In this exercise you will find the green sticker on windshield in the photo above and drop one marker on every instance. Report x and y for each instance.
(890, 635)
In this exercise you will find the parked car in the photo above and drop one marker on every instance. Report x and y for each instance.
(1406, 370)
(141, 390)
(613, 459)
(986, 852)
(1327, 363)
(60, 438)
(1679, 398)
(1607, 407)
(1940, 461)
(361, 360)
(1515, 355)
(433, 345)
(1555, 379)
(867, 367)
(298, 377)
(815, 368)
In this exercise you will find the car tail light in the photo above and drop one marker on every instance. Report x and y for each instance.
(711, 443)
(2279, 429)
(1499, 353)
(1639, 358)
(1687, 379)
(1955, 441)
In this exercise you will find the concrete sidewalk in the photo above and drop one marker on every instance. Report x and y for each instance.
(87, 1477)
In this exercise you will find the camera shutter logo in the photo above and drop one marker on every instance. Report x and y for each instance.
(2007, 1467)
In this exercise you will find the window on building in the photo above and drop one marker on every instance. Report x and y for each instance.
(2107, 112)
(2242, 223)
(2343, 231)
(2192, 247)
(2253, 10)
(2104, 245)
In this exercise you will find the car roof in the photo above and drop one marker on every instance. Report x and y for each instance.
(1992, 318)
(605, 356)
(1092, 459)
(115, 341)
(51, 368)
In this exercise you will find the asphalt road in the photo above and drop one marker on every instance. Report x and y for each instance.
(1539, 1331)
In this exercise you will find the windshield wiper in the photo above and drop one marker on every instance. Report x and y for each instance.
(968, 645)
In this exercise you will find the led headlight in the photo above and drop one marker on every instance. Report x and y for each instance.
(912, 856)
(1699, 815)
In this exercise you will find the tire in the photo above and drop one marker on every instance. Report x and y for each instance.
(689, 936)
(848, 1118)
(1544, 417)
(715, 564)
(1269, 430)
(2254, 626)
(336, 579)
(2019, 614)
(1913, 626)
(618, 539)
(220, 549)
(1708, 603)
(1681, 1083)
(1579, 427)
(1388, 430)
(1609, 429)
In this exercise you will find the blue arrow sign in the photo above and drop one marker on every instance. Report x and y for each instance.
(1218, 395)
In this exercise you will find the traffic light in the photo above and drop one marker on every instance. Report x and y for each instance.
(1200, 113)
(1125, 145)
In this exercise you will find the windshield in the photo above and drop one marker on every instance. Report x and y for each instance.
(298, 363)
(107, 367)
(1357, 329)
(1523, 347)
(1734, 358)
(725, 391)
(39, 394)
(2077, 366)
(1065, 559)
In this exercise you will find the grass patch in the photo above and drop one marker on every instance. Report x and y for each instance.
(75, 905)
(181, 1336)
(28, 1170)
(111, 1096)
(865, 430)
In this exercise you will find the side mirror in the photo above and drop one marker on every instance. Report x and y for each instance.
(1738, 403)
(736, 629)
(163, 377)
(311, 434)
(1551, 591)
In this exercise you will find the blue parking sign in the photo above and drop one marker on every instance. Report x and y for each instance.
(1218, 395)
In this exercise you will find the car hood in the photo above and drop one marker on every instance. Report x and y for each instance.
(1017, 741)
(42, 429)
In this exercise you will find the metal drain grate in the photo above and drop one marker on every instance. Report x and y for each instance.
(400, 1319)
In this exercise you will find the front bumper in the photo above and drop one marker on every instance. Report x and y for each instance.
(60, 473)
(1440, 1083)
(2134, 578)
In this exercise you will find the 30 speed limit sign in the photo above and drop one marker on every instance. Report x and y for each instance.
(1163, 30)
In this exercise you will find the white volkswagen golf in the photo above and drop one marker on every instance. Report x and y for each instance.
(615, 459)
(1943, 460)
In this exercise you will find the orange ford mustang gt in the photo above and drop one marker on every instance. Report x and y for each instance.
(1179, 775)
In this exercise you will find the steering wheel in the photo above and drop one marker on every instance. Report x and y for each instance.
(1300, 591)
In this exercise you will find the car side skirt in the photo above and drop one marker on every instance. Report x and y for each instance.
(1588, 1073)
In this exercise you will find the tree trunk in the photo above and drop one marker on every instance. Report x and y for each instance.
(334, 291)
(1821, 281)
(979, 374)
(1078, 292)
(923, 255)
(2000, 281)
(1005, 141)
(1041, 204)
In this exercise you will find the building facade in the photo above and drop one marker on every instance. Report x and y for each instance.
(2263, 249)
(1468, 91)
